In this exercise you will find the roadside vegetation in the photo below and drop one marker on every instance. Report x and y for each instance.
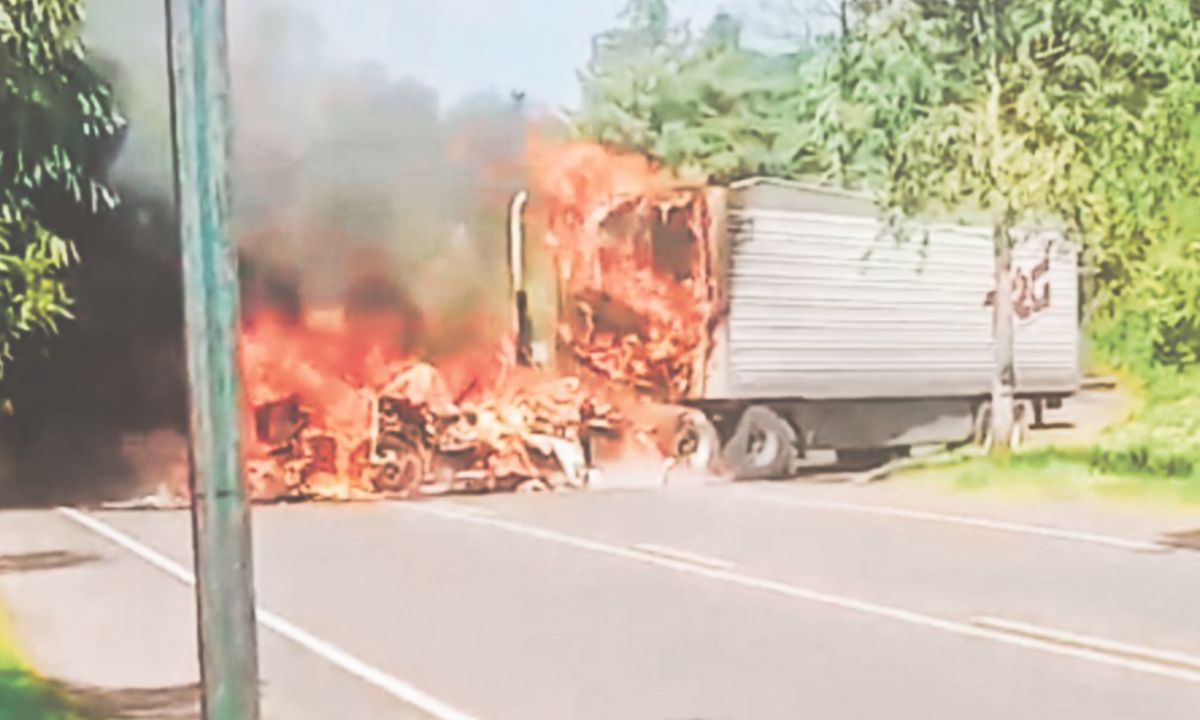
(58, 118)
(24, 695)
(1149, 334)
(1154, 456)
(1069, 109)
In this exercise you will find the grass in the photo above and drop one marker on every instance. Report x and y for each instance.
(1055, 473)
(24, 695)
(1163, 438)
(1155, 456)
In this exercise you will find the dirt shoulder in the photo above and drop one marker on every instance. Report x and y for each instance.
(1083, 419)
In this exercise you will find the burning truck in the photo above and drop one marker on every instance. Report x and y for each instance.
(414, 435)
(726, 329)
(778, 317)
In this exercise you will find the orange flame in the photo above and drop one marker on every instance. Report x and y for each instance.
(632, 252)
(341, 403)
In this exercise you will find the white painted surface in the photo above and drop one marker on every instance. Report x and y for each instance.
(671, 553)
(826, 305)
(798, 592)
(969, 521)
(1091, 642)
(327, 650)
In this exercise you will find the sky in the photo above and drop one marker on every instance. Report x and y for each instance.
(459, 48)
(462, 47)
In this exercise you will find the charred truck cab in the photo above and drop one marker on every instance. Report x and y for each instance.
(790, 319)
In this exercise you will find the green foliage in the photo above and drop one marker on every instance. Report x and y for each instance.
(1028, 109)
(22, 694)
(1154, 455)
(1066, 109)
(1060, 473)
(1147, 313)
(702, 103)
(1163, 440)
(55, 115)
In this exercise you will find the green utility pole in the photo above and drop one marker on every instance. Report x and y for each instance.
(220, 512)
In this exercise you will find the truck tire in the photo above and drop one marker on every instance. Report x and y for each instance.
(694, 442)
(763, 446)
(982, 434)
(403, 475)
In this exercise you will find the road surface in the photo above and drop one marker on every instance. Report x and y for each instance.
(756, 601)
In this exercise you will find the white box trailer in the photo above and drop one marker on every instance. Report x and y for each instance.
(836, 335)
(861, 341)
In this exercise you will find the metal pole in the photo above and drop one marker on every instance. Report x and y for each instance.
(220, 512)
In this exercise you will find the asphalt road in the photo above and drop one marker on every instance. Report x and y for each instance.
(759, 601)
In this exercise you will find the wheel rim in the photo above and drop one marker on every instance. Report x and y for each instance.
(762, 447)
(695, 443)
(404, 474)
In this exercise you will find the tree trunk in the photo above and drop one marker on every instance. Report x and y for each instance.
(1004, 372)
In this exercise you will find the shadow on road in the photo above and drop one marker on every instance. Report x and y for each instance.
(1186, 540)
(54, 560)
(1053, 426)
(181, 702)
(25, 695)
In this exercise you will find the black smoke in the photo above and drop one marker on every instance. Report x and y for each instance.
(351, 186)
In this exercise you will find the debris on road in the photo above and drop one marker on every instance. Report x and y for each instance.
(165, 498)
(342, 406)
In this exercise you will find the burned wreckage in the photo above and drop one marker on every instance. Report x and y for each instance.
(426, 443)
(531, 419)
(728, 330)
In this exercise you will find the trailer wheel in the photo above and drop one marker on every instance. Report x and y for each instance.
(763, 446)
(982, 433)
(694, 441)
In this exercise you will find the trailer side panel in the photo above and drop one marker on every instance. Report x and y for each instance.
(823, 304)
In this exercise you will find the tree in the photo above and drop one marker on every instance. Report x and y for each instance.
(1143, 271)
(701, 103)
(866, 96)
(1021, 109)
(57, 116)
(704, 104)
(1146, 280)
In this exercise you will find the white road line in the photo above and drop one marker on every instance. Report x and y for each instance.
(457, 508)
(815, 596)
(1111, 647)
(682, 556)
(158, 560)
(330, 652)
(960, 520)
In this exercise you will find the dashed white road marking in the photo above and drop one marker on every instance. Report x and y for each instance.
(457, 508)
(683, 556)
(815, 596)
(1111, 647)
(330, 652)
(959, 520)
